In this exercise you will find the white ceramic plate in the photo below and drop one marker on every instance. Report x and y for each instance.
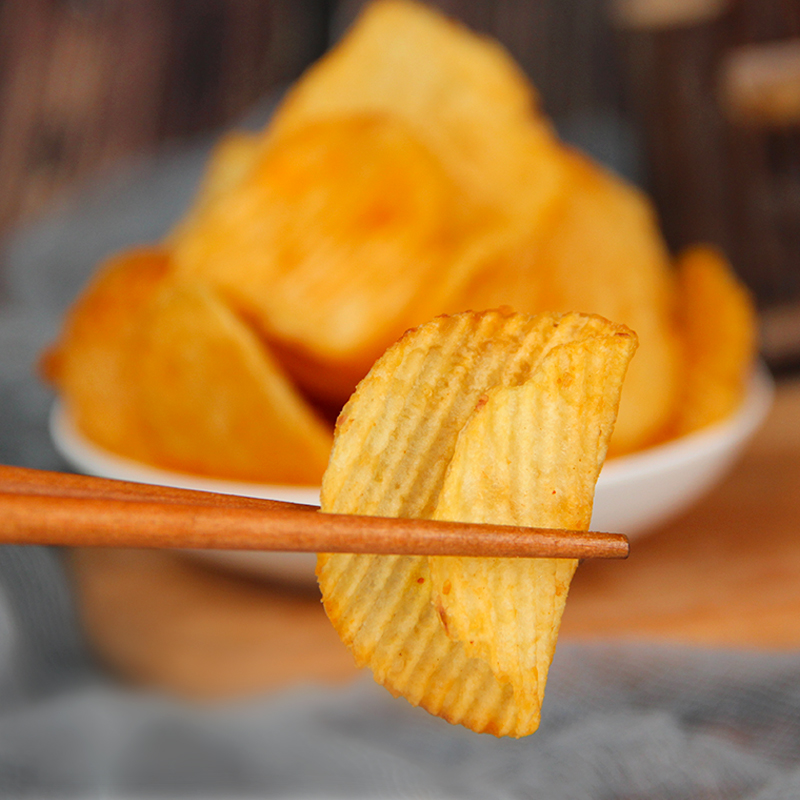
(634, 493)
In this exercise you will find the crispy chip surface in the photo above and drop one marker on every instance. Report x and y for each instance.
(215, 402)
(530, 455)
(718, 324)
(461, 420)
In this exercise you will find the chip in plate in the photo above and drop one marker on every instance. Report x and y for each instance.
(602, 253)
(90, 364)
(718, 325)
(213, 399)
(406, 160)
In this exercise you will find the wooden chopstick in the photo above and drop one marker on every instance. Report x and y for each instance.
(51, 508)
(22, 480)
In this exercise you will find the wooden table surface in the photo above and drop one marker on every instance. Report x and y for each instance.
(727, 573)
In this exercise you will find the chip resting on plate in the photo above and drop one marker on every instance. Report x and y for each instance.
(460, 93)
(489, 416)
(163, 371)
(214, 400)
(719, 338)
(407, 159)
(91, 363)
(342, 234)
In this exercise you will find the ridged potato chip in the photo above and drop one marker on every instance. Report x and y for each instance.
(718, 328)
(214, 401)
(90, 364)
(474, 416)
(529, 455)
(163, 372)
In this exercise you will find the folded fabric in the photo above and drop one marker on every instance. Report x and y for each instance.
(620, 720)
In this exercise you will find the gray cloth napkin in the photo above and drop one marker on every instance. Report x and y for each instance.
(620, 720)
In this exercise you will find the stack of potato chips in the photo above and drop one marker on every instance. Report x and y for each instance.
(408, 173)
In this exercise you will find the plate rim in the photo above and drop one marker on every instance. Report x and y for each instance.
(85, 455)
(720, 443)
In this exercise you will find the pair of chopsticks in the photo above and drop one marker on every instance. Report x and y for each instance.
(53, 508)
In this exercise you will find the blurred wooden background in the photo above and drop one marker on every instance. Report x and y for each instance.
(84, 83)
(698, 100)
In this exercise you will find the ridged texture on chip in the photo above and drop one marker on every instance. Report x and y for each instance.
(605, 255)
(404, 446)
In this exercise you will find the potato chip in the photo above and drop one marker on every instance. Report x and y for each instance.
(602, 254)
(718, 324)
(461, 93)
(384, 181)
(345, 234)
(404, 446)
(215, 402)
(530, 455)
(90, 364)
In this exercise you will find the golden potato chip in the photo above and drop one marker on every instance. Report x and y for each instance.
(396, 167)
(459, 92)
(602, 253)
(343, 234)
(606, 256)
(90, 364)
(215, 402)
(403, 447)
(718, 325)
(530, 455)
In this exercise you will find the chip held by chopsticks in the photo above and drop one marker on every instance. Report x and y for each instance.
(484, 417)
